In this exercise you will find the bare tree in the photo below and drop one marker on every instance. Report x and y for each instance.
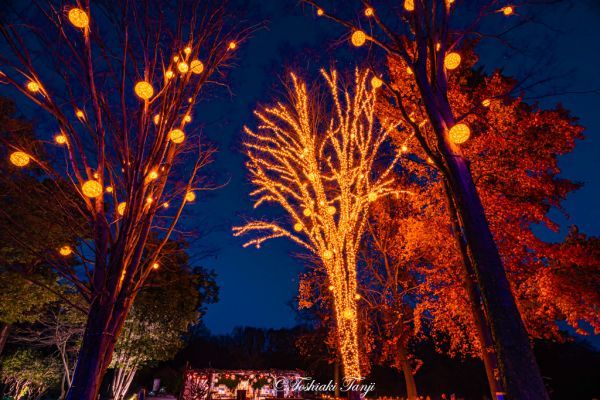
(318, 165)
(426, 35)
(119, 83)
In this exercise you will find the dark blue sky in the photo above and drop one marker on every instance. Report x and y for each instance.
(257, 285)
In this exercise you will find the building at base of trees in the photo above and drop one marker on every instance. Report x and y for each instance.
(211, 384)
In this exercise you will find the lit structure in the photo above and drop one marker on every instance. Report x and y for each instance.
(321, 173)
(201, 384)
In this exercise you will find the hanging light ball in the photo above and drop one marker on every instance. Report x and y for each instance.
(508, 10)
(153, 175)
(177, 136)
(187, 118)
(144, 90)
(348, 313)
(19, 158)
(80, 114)
(452, 60)
(155, 265)
(404, 148)
(33, 86)
(190, 196)
(60, 138)
(486, 103)
(79, 18)
(320, 12)
(330, 288)
(156, 119)
(376, 83)
(183, 67)
(372, 196)
(331, 210)
(121, 208)
(187, 50)
(409, 5)
(232, 45)
(369, 11)
(169, 74)
(197, 67)
(65, 250)
(297, 226)
(328, 254)
(307, 212)
(358, 38)
(357, 296)
(459, 133)
(92, 188)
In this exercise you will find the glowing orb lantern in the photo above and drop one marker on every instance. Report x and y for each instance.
(357, 296)
(409, 70)
(331, 210)
(232, 45)
(404, 148)
(328, 254)
(169, 74)
(121, 208)
(452, 60)
(92, 188)
(486, 102)
(109, 189)
(330, 287)
(372, 196)
(33, 86)
(183, 67)
(376, 82)
(358, 38)
(307, 212)
(459, 133)
(65, 250)
(320, 12)
(508, 10)
(177, 136)
(409, 5)
(79, 18)
(187, 118)
(153, 175)
(155, 266)
(187, 50)
(156, 119)
(297, 226)
(80, 114)
(19, 158)
(60, 139)
(144, 90)
(197, 66)
(190, 196)
(369, 11)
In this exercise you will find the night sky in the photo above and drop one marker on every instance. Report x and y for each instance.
(258, 285)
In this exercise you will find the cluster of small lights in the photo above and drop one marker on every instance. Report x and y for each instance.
(459, 133)
(358, 38)
(290, 165)
(19, 158)
(452, 60)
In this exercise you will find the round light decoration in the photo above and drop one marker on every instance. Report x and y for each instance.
(169, 74)
(330, 287)
(197, 66)
(19, 158)
(80, 114)
(187, 50)
(91, 188)
(358, 38)
(320, 12)
(121, 208)
(156, 119)
(33, 86)
(369, 11)
(297, 226)
(409, 5)
(183, 67)
(65, 250)
(508, 10)
(459, 133)
(155, 266)
(328, 254)
(79, 18)
(232, 45)
(331, 210)
(177, 136)
(486, 103)
(307, 212)
(452, 60)
(153, 175)
(187, 118)
(357, 296)
(60, 139)
(190, 196)
(372, 196)
(144, 90)
(376, 82)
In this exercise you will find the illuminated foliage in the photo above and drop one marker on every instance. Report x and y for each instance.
(320, 170)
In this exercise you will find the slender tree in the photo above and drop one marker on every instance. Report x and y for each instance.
(317, 163)
(118, 82)
(426, 36)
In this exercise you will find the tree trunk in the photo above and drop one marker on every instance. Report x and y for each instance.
(336, 378)
(488, 354)
(4, 330)
(409, 378)
(104, 323)
(518, 369)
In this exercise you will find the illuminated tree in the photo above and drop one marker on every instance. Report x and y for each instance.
(318, 165)
(118, 83)
(426, 37)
